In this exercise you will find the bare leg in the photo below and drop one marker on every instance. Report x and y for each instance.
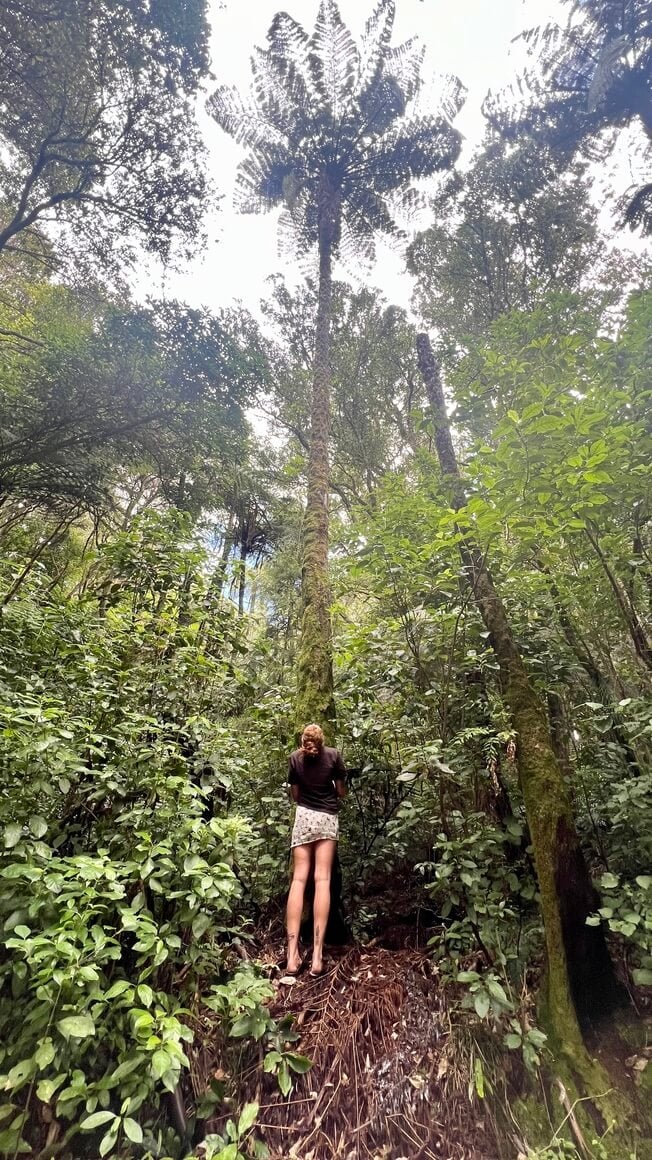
(324, 854)
(300, 874)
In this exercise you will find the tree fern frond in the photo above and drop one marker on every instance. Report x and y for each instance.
(419, 148)
(367, 213)
(295, 245)
(404, 63)
(606, 70)
(357, 250)
(375, 45)
(443, 95)
(381, 103)
(638, 211)
(240, 120)
(280, 100)
(334, 59)
(547, 36)
(289, 45)
(261, 181)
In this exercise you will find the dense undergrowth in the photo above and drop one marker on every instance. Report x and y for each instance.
(145, 831)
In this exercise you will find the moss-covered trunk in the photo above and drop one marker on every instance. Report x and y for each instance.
(580, 978)
(315, 659)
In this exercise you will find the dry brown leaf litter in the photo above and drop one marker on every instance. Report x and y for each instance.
(388, 1079)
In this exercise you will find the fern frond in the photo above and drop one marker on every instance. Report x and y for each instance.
(404, 64)
(606, 70)
(334, 59)
(289, 45)
(279, 99)
(416, 149)
(442, 95)
(380, 105)
(638, 211)
(357, 250)
(375, 45)
(240, 120)
(367, 213)
(261, 181)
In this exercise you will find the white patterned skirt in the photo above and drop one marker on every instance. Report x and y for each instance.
(312, 826)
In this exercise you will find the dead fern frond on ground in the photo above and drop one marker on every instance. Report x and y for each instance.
(388, 1079)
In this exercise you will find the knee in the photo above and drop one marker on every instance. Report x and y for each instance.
(322, 877)
(300, 878)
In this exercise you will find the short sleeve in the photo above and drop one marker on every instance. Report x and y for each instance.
(339, 771)
(292, 772)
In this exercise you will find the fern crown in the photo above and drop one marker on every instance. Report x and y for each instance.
(328, 123)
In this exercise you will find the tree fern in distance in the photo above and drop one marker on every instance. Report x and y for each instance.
(592, 78)
(334, 132)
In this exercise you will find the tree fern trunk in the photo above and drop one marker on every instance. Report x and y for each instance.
(580, 976)
(315, 659)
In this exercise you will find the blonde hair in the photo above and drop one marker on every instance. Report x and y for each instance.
(313, 733)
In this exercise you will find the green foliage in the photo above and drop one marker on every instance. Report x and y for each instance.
(117, 882)
(627, 910)
(95, 390)
(98, 126)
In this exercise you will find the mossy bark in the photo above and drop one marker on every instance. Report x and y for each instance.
(580, 978)
(315, 700)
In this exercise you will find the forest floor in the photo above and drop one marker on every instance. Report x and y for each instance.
(391, 1075)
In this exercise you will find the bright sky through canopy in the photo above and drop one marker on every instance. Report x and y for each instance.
(469, 38)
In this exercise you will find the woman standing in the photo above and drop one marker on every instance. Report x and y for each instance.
(316, 777)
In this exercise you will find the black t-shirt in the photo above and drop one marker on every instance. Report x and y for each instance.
(315, 776)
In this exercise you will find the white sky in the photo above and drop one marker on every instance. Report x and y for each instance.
(469, 38)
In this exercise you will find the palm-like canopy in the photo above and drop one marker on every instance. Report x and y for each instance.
(593, 77)
(334, 130)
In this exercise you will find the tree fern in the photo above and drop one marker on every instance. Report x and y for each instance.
(334, 134)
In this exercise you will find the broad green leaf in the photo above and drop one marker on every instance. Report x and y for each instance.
(13, 833)
(228, 1153)
(145, 994)
(160, 1063)
(132, 1130)
(284, 1079)
(299, 1063)
(609, 881)
(107, 1141)
(44, 1054)
(76, 1026)
(482, 1004)
(200, 925)
(247, 1118)
(47, 1087)
(96, 1120)
(118, 988)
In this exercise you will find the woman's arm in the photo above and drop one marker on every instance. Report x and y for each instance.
(340, 787)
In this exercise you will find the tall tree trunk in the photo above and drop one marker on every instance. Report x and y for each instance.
(315, 701)
(580, 979)
(242, 570)
(315, 657)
